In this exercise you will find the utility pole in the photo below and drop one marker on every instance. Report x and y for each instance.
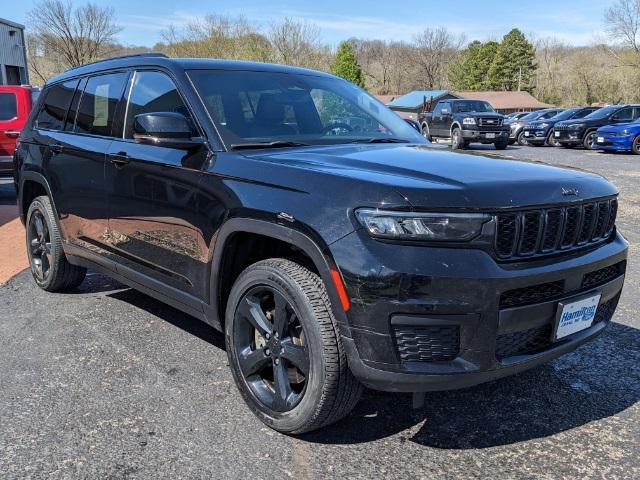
(519, 78)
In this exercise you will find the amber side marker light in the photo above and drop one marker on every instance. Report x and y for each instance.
(342, 292)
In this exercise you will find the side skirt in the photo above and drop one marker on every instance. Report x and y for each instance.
(175, 298)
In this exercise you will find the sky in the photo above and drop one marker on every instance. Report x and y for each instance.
(576, 22)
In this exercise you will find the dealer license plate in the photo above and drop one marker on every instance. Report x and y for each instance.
(526, 134)
(557, 134)
(491, 135)
(600, 139)
(576, 316)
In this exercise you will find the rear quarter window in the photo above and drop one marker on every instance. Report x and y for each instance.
(8, 106)
(57, 99)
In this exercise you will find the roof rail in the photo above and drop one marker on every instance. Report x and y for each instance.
(133, 55)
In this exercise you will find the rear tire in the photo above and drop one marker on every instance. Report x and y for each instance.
(49, 266)
(295, 393)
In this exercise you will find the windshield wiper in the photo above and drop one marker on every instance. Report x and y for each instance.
(276, 144)
(380, 140)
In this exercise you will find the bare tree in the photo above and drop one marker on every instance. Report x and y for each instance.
(623, 24)
(297, 43)
(435, 49)
(73, 35)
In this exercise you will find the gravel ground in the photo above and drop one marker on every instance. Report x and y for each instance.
(106, 382)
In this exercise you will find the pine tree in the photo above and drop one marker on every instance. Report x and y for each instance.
(513, 64)
(471, 70)
(346, 65)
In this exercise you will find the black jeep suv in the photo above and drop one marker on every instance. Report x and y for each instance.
(582, 131)
(331, 257)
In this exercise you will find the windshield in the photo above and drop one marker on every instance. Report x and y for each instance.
(603, 112)
(530, 116)
(472, 106)
(565, 114)
(289, 109)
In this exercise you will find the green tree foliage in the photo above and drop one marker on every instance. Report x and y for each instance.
(514, 63)
(346, 65)
(471, 70)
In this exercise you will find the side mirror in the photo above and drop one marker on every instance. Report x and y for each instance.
(165, 129)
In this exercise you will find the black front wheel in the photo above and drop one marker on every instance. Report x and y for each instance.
(551, 140)
(501, 145)
(425, 132)
(635, 148)
(522, 140)
(588, 141)
(284, 349)
(457, 140)
(49, 265)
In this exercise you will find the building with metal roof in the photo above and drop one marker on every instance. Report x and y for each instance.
(13, 54)
(504, 102)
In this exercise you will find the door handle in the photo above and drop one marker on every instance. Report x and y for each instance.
(12, 133)
(119, 159)
(56, 148)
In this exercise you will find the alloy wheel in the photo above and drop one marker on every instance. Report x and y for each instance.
(270, 346)
(39, 245)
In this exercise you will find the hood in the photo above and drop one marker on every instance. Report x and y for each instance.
(618, 127)
(482, 114)
(433, 178)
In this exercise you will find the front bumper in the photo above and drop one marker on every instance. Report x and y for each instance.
(569, 137)
(536, 135)
(397, 288)
(6, 166)
(608, 142)
(485, 136)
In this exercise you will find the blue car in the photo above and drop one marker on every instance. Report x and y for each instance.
(623, 137)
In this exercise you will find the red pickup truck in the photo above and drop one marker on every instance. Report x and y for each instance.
(15, 105)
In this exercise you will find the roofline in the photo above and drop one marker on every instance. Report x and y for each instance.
(154, 59)
(12, 24)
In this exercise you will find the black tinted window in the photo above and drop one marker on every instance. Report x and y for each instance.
(626, 114)
(56, 103)
(8, 106)
(98, 104)
(152, 92)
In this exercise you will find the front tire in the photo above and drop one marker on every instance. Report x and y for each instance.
(425, 132)
(457, 140)
(635, 147)
(49, 266)
(502, 145)
(587, 143)
(284, 349)
(522, 140)
(551, 140)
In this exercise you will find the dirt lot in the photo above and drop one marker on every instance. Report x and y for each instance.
(105, 382)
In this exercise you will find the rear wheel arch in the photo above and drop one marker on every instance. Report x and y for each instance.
(281, 241)
(33, 185)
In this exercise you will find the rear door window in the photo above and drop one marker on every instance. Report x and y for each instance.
(98, 104)
(57, 99)
(8, 106)
(624, 115)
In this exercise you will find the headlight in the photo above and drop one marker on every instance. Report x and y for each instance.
(468, 121)
(437, 227)
(577, 126)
